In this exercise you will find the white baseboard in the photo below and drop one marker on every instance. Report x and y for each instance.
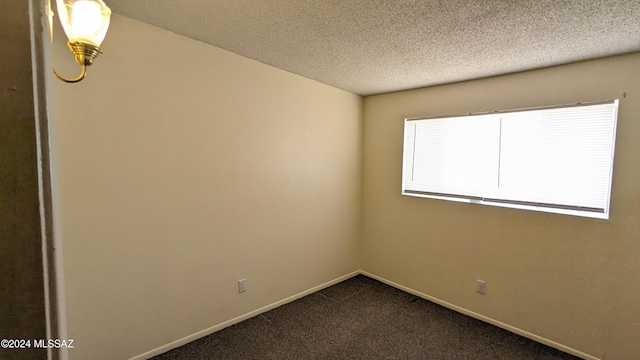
(486, 319)
(211, 330)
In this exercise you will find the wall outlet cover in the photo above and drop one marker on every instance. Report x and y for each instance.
(242, 285)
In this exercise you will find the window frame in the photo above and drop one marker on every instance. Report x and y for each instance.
(583, 211)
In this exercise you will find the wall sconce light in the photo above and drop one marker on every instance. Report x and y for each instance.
(85, 22)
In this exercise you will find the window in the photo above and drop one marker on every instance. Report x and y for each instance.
(556, 159)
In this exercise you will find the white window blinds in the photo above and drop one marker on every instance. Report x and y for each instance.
(555, 159)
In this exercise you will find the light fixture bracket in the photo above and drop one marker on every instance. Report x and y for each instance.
(85, 53)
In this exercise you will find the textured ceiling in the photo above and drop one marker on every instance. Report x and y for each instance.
(376, 46)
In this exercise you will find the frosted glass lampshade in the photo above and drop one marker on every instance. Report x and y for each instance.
(85, 21)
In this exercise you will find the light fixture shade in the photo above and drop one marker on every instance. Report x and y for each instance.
(85, 21)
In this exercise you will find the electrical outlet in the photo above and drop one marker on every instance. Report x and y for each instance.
(242, 285)
(480, 286)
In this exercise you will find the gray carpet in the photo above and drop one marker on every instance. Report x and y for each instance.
(362, 318)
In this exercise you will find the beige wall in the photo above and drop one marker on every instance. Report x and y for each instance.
(572, 280)
(183, 168)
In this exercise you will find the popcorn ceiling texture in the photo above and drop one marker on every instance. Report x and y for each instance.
(374, 46)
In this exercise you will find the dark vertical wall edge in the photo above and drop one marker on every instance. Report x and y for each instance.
(22, 292)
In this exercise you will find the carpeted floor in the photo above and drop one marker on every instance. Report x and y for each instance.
(361, 318)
